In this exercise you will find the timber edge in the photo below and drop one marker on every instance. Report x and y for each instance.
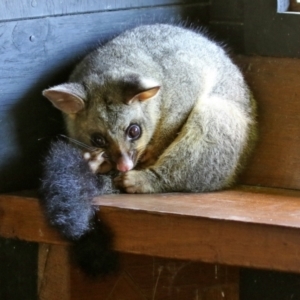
(245, 226)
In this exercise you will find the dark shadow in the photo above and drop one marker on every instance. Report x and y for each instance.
(18, 261)
(268, 285)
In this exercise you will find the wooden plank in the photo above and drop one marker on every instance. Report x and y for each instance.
(202, 239)
(265, 206)
(24, 9)
(245, 227)
(142, 277)
(22, 218)
(37, 53)
(54, 272)
(275, 85)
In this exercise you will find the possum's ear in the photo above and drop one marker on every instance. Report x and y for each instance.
(140, 89)
(68, 97)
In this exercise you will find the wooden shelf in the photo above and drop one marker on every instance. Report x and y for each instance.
(245, 226)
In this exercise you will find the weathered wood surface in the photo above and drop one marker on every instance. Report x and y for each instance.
(139, 278)
(275, 85)
(152, 278)
(24, 9)
(37, 53)
(53, 276)
(247, 226)
(21, 217)
(266, 206)
(225, 233)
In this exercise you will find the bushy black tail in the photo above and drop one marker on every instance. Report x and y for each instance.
(92, 252)
(67, 190)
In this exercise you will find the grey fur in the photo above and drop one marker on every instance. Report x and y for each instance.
(199, 126)
(68, 187)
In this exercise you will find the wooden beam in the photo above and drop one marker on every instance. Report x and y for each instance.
(22, 9)
(21, 217)
(247, 226)
(54, 266)
(266, 206)
(275, 85)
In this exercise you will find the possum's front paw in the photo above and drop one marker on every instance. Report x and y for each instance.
(148, 159)
(97, 161)
(134, 182)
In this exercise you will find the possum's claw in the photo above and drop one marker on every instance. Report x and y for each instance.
(97, 161)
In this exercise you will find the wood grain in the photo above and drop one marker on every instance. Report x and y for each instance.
(139, 278)
(245, 227)
(267, 206)
(275, 85)
(22, 9)
(202, 239)
(206, 240)
(21, 217)
(54, 272)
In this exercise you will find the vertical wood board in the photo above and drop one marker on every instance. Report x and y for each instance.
(25, 9)
(53, 272)
(150, 278)
(275, 85)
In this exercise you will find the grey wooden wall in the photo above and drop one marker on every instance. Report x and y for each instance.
(40, 42)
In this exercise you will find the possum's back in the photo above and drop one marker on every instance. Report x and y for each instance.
(183, 55)
(173, 55)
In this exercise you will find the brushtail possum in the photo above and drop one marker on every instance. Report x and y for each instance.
(165, 106)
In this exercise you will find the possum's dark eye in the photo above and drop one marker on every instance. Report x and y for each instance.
(97, 140)
(133, 132)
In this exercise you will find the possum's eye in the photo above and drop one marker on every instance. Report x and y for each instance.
(97, 140)
(133, 132)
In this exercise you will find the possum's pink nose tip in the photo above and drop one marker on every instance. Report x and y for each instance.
(124, 166)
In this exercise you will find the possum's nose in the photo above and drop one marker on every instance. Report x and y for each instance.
(124, 163)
